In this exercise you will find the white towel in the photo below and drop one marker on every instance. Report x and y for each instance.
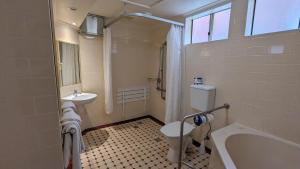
(73, 143)
(70, 115)
(69, 104)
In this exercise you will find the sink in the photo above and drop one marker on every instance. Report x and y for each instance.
(81, 98)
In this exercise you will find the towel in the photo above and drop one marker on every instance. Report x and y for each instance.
(73, 143)
(70, 115)
(68, 104)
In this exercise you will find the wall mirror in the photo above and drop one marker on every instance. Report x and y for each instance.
(69, 66)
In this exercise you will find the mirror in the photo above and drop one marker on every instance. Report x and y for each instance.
(69, 66)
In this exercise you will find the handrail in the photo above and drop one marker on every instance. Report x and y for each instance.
(225, 106)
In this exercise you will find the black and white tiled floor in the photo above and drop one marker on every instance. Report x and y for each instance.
(134, 145)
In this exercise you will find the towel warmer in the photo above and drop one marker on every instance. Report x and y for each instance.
(132, 95)
(180, 161)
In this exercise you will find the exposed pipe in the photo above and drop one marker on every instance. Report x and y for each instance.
(136, 4)
(147, 16)
(142, 5)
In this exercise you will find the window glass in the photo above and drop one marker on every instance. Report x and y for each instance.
(221, 25)
(275, 16)
(200, 29)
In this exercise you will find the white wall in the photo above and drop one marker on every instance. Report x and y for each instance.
(262, 88)
(29, 124)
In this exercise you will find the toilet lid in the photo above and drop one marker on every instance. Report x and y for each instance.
(173, 129)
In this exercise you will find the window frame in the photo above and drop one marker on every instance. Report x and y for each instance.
(211, 13)
(251, 9)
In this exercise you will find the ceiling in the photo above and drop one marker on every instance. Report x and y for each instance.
(112, 8)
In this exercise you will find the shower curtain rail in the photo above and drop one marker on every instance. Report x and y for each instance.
(144, 15)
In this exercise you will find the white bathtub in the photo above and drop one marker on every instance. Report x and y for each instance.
(240, 147)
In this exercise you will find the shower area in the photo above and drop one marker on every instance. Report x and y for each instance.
(138, 68)
(139, 62)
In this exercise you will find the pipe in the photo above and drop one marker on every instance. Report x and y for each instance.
(225, 106)
(136, 4)
(156, 18)
(138, 14)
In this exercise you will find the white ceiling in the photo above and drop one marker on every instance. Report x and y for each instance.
(112, 8)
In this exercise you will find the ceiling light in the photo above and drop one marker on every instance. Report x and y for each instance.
(73, 23)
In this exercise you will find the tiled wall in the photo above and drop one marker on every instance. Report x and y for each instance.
(261, 86)
(91, 62)
(132, 51)
(30, 137)
(157, 104)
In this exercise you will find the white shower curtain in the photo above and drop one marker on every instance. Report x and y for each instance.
(173, 76)
(107, 71)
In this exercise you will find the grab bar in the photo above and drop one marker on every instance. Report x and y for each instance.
(180, 161)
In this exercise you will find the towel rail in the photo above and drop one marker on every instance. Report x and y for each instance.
(180, 161)
(133, 95)
(69, 132)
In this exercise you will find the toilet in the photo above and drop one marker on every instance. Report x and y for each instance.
(202, 99)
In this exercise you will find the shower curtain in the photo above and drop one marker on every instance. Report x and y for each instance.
(107, 71)
(173, 76)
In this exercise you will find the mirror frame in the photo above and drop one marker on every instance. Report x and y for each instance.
(59, 64)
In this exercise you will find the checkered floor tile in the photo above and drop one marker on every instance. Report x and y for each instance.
(134, 145)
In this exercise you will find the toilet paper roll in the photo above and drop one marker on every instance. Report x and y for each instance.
(200, 119)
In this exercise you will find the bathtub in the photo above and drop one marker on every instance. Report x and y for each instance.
(240, 147)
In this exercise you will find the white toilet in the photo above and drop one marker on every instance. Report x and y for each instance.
(202, 99)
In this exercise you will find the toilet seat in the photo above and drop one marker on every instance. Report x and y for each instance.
(173, 129)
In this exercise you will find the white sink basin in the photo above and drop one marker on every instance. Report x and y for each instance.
(82, 98)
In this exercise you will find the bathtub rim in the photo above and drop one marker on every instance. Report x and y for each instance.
(219, 138)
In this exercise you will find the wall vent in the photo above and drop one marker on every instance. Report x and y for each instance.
(92, 25)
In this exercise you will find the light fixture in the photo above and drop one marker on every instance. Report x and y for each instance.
(74, 23)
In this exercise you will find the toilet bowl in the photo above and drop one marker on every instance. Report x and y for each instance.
(172, 135)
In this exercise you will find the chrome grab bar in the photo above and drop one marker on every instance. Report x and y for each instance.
(225, 106)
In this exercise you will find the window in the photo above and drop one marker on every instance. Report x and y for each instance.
(200, 29)
(267, 16)
(208, 26)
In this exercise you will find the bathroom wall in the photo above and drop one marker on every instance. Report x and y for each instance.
(135, 57)
(157, 104)
(262, 86)
(30, 133)
(91, 60)
(67, 33)
(131, 50)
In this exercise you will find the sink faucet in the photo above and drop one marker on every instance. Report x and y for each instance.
(76, 92)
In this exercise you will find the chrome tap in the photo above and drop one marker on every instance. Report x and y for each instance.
(76, 93)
